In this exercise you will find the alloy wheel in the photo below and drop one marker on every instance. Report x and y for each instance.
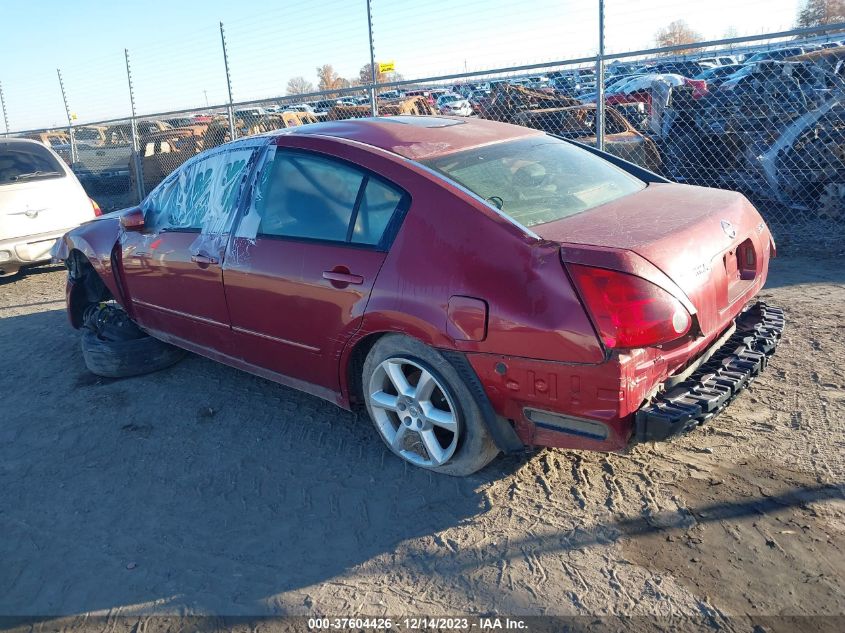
(414, 413)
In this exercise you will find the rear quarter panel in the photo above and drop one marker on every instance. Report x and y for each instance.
(452, 244)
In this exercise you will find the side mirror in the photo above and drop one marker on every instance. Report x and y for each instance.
(132, 220)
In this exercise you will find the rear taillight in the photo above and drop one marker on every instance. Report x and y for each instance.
(629, 311)
(97, 210)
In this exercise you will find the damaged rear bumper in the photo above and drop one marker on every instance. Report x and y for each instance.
(714, 384)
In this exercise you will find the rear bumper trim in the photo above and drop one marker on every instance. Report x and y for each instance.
(708, 390)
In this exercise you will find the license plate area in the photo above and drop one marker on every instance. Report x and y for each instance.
(740, 269)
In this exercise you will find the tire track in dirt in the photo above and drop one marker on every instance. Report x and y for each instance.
(277, 502)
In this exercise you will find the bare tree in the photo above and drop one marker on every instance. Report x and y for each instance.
(299, 86)
(676, 33)
(730, 32)
(819, 12)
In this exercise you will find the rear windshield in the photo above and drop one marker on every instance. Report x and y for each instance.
(27, 161)
(537, 179)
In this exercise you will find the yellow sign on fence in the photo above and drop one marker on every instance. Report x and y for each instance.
(386, 67)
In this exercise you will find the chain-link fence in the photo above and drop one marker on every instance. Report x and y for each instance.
(763, 115)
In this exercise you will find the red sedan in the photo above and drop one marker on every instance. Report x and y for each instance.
(478, 286)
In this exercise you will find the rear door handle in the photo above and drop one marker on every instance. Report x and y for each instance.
(342, 278)
(203, 260)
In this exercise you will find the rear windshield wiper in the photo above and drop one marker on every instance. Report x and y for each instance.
(35, 174)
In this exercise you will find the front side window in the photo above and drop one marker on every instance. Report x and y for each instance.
(538, 179)
(311, 197)
(200, 196)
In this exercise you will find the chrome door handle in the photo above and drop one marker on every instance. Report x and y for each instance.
(203, 259)
(343, 278)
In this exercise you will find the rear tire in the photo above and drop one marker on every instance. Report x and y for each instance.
(431, 419)
(120, 359)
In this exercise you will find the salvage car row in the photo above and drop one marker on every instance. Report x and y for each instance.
(773, 128)
(729, 120)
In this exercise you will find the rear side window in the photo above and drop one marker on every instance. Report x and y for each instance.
(377, 207)
(20, 162)
(304, 196)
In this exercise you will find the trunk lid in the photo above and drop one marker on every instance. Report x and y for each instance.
(40, 206)
(712, 244)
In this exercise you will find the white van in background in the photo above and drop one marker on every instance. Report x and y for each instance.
(40, 200)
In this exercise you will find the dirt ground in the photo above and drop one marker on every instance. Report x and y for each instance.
(204, 490)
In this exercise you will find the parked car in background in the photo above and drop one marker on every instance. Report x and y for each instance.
(617, 68)
(163, 151)
(477, 99)
(720, 60)
(685, 69)
(455, 104)
(300, 107)
(538, 323)
(321, 108)
(611, 86)
(180, 121)
(538, 81)
(90, 134)
(40, 200)
(573, 82)
(104, 165)
(57, 140)
(776, 54)
(250, 113)
(718, 74)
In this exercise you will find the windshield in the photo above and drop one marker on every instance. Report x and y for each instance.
(538, 179)
(27, 161)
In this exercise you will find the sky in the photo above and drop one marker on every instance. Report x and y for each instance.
(176, 54)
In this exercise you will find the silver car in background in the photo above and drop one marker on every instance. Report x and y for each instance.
(454, 104)
(40, 200)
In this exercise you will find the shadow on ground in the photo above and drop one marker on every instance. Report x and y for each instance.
(199, 484)
(204, 489)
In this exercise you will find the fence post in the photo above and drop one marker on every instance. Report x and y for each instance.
(133, 124)
(73, 156)
(5, 116)
(230, 109)
(373, 69)
(600, 82)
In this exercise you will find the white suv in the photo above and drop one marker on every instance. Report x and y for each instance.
(40, 199)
